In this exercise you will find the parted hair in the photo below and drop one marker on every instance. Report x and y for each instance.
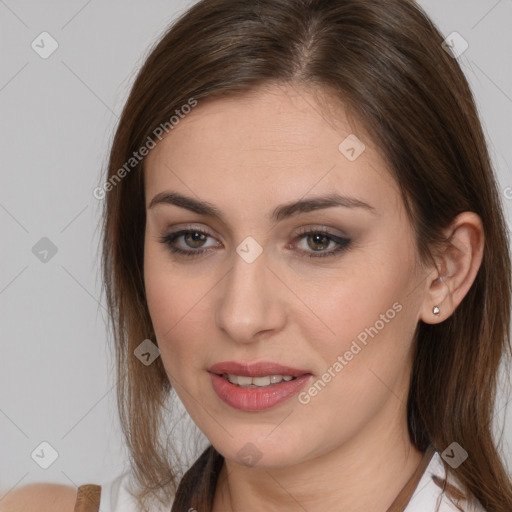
(385, 62)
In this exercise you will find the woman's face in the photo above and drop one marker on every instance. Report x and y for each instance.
(339, 305)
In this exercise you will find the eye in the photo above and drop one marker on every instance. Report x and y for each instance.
(317, 239)
(193, 238)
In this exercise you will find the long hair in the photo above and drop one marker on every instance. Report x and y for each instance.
(384, 60)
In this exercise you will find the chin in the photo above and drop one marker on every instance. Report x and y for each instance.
(258, 452)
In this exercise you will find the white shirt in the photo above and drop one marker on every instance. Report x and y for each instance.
(427, 497)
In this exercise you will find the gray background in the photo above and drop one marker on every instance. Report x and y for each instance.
(57, 119)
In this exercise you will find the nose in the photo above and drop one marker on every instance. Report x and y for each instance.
(250, 301)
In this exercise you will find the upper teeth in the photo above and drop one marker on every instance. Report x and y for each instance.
(244, 381)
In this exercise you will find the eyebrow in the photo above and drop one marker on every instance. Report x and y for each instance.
(281, 212)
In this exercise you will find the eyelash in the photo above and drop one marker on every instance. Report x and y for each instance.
(342, 243)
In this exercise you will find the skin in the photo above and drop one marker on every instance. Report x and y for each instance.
(246, 155)
(40, 497)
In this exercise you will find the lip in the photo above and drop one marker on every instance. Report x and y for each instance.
(256, 399)
(257, 369)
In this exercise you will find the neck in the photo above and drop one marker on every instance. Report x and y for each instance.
(369, 469)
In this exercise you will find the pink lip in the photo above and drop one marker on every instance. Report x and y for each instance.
(259, 369)
(256, 399)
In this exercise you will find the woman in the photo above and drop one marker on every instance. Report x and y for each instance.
(303, 238)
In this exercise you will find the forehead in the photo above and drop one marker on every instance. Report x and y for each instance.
(277, 144)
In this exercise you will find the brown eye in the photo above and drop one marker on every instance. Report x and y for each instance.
(195, 239)
(318, 241)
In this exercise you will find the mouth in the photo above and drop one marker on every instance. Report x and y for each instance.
(256, 386)
(265, 381)
(260, 372)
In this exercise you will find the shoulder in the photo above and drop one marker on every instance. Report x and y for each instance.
(118, 495)
(441, 491)
(40, 497)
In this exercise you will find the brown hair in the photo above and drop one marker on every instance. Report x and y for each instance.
(385, 62)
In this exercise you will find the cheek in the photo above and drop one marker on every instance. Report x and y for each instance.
(163, 296)
(178, 306)
(354, 302)
(169, 292)
(365, 362)
(368, 318)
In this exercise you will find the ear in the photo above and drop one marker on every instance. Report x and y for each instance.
(456, 268)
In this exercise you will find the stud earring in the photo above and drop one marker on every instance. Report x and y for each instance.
(435, 310)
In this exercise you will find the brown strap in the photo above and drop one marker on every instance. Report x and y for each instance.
(88, 498)
(407, 491)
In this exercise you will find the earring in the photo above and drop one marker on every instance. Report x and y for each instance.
(435, 310)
